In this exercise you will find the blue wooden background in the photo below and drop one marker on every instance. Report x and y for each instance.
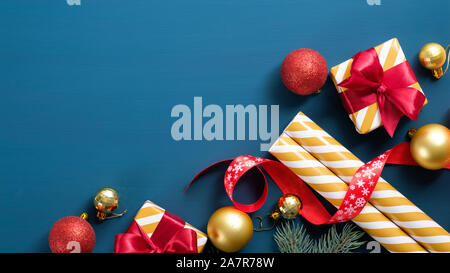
(86, 93)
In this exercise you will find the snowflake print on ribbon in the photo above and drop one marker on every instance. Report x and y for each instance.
(360, 189)
(368, 172)
(360, 202)
(229, 176)
(360, 183)
(358, 193)
(350, 210)
(365, 191)
(377, 164)
(249, 163)
(237, 167)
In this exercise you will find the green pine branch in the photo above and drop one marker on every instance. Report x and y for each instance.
(294, 239)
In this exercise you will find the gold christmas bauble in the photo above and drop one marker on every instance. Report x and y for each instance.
(432, 56)
(289, 206)
(230, 229)
(106, 200)
(430, 146)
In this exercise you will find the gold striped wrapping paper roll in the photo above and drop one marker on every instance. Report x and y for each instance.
(384, 197)
(390, 54)
(332, 188)
(149, 216)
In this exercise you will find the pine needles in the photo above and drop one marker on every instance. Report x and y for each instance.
(294, 239)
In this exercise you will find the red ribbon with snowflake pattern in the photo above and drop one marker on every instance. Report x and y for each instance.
(358, 194)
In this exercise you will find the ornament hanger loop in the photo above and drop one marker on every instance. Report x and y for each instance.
(261, 220)
(448, 58)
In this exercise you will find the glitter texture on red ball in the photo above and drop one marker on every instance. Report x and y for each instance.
(71, 234)
(304, 71)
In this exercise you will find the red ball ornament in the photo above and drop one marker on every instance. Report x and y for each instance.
(304, 71)
(71, 234)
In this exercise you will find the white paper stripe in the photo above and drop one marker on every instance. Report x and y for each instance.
(301, 118)
(417, 224)
(333, 195)
(394, 240)
(341, 71)
(151, 204)
(376, 121)
(149, 219)
(321, 179)
(191, 227)
(325, 149)
(376, 225)
(305, 134)
(385, 194)
(347, 179)
(201, 241)
(432, 239)
(303, 164)
(400, 57)
(399, 209)
(369, 209)
(384, 51)
(342, 163)
(360, 117)
(284, 148)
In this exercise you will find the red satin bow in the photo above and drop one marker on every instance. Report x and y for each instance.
(170, 236)
(368, 83)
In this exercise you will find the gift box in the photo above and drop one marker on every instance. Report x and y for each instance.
(156, 230)
(382, 74)
(307, 135)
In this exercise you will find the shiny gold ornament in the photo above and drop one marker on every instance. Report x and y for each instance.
(430, 146)
(289, 206)
(230, 229)
(432, 56)
(106, 200)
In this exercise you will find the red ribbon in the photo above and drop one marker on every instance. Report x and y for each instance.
(170, 236)
(368, 83)
(358, 194)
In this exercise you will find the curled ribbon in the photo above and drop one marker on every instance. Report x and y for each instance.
(368, 83)
(358, 194)
(170, 236)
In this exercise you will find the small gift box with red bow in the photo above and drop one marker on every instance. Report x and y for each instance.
(155, 230)
(377, 87)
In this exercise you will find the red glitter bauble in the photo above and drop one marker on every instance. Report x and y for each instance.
(304, 71)
(71, 234)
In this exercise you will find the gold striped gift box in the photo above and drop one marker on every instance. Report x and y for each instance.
(385, 198)
(332, 188)
(149, 216)
(390, 54)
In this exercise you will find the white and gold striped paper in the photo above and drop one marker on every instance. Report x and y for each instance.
(385, 198)
(332, 188)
